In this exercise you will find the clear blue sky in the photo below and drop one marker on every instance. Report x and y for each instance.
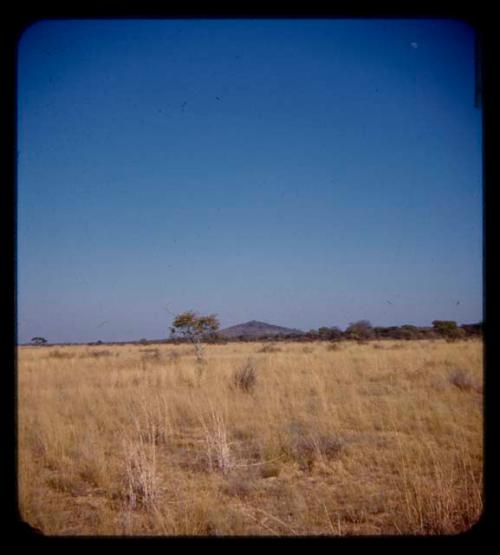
(301, 172)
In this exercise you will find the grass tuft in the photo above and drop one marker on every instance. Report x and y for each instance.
(245, 378)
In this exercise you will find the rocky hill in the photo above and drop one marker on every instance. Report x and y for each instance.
(256, 329)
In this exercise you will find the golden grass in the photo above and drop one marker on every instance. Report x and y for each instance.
(382, 438)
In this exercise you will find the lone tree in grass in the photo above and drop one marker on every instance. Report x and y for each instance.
(195, 328)
(38, 340)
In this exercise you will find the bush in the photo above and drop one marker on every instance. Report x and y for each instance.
(269, 348)
(61, 354)
(238, 486)
(472, 330)
(306, 445)
(448, 329)
(151, 353)
(98, 354)
(459, 333)
(174, 356)
(245, 378)
(330, 446)
(361, 330)
(409, 332)
(459, 378)
(329, 334)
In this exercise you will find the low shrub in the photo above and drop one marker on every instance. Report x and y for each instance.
(306, 445)
(461, 379)
(98, 354)
(174, 356)
(61, 354)
(150, 354)
(238, 486)
(245, 378)
(270, 348)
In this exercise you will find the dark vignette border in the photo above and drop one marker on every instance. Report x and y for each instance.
(20, 17)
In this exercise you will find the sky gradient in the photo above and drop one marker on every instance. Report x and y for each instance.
(302, 173)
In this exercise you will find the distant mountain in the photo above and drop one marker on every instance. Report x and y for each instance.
(255, 329)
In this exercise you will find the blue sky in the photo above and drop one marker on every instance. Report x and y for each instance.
(299, 172)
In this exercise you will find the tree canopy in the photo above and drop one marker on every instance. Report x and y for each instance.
(39, 340)
(194, 327)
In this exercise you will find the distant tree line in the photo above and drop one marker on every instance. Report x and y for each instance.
(361, 330)
(364, 331)
(189, 327)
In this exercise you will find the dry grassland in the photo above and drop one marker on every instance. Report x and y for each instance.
(300, 439)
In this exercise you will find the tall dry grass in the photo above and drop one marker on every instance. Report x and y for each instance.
(383, 438)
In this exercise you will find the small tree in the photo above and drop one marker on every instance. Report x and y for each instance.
(38, 340)
(195, 328)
